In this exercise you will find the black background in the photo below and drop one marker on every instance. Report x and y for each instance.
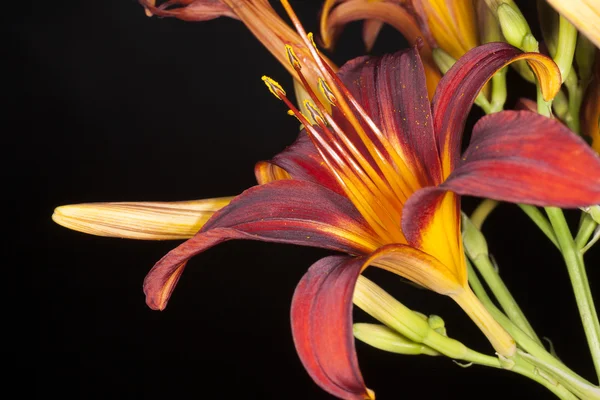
(106, 104)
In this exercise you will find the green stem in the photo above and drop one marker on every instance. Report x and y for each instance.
(483, 210)
(542, 222)
(587, 227)
(503, 295)
(525, 342)
(579, 281)
(543, 107)
(498, 91)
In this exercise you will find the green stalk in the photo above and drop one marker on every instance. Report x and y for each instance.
(542, 222)
(498, 91)
(579, 281)
(503, 295)
(483, 210)
(572, 379)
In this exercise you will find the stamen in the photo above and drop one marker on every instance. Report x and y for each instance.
(274, 87)
(314, 113)
(292, 58)
(327, 93)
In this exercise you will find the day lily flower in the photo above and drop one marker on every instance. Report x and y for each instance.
(379, 178)
(583, 14)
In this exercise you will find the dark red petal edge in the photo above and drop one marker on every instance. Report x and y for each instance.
(285, 211)
(419, 212)
(523, 157)
(321, 319)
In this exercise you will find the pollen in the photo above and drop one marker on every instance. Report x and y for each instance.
(292, 58)
(326, 90)
(274, 87)
(314, 112)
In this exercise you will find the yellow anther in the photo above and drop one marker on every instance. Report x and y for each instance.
(274, 87)
(326, 90)
(292, 58)
(312, 40)
(314, 112)
(293, 114)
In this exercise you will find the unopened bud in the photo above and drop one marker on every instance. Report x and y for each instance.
(384, 338)
(437, 324)
(380, 305)
(473, 240)
(513, 24)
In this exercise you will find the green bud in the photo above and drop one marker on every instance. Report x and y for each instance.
(513, 24)
(530, 44)
(384, 338)
(473, 240)
(437, 324)
(380, 305)
(594, 212)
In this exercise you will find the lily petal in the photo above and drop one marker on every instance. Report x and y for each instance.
(390, 13)
(300, 161)
(431, 223)
(284, 211)
(322, 312)
(452, 24)
(140, 220)
(523, 157)
(460, 86)
(584, 14)
(392, 91)
(321, 319)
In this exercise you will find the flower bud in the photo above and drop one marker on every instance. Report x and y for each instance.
(384, 338)
(513, 24)
(473, 240)
(437, 324)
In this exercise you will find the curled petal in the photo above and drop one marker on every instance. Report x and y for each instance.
(284, 211)
(523, 157)
(460, 86)
(321, 319)
(140, 220)
(322, 312)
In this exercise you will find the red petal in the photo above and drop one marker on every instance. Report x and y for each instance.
(285, 211)
(459, 87)
(519, 156)
(393, 92)
(322, 326)
(302, 162)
